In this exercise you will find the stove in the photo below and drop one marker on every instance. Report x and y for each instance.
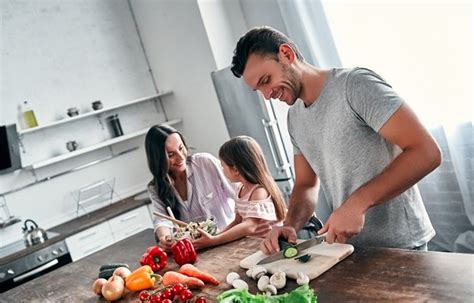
(21, 245)
(20, 263)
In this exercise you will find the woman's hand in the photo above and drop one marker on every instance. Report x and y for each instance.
(205, 240)
(165, 242)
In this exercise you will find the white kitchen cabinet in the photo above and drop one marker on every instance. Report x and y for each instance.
(105, 234)
(89, 241)
(130, 223)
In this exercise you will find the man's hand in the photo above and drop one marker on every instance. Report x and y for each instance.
(270, 244)
(343, 223)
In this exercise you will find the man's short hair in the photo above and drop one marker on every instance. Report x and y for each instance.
(262, 41)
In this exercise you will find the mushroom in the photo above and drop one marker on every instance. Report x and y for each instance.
(301, 278)
(231, 277)
(278, 279)
(240, 284)
(262, 282)
(256, 272)
(270, 290)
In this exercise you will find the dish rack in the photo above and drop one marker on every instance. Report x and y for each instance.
(93, 196)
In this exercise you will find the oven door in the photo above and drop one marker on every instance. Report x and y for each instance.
(33, 265)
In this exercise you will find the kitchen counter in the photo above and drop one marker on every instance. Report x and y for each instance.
(369, 274)
(81, 223)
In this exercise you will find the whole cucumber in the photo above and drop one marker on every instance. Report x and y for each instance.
(106, 273)
(113, 266)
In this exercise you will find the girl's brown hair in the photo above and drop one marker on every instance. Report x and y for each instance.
(245, 154)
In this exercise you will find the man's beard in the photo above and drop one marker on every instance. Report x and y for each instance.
(292, 81)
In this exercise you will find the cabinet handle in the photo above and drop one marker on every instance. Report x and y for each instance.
(93, 249)
(88, 235)
(129, 217)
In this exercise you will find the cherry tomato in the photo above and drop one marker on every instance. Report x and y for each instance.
(166, 301)
(186, 294)
(144, 296)
(167, 294)
(178, 289)
(156, 298)
(200, 300)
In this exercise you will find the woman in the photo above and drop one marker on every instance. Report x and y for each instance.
(192, 186)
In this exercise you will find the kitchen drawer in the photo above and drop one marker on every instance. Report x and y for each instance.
(130, 223)
(89, 241)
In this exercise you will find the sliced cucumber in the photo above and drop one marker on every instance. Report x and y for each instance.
(290, 252)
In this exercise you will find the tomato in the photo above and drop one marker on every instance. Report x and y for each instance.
(200, 300)
(178, 289)
(167, 294)
(186, 294)
(166, 301)
(144, 296)
(156, 298)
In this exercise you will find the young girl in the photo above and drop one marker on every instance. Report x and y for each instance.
(258, 200)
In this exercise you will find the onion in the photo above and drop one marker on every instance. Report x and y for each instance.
(113, 289)
(97, 286)
(122, 272)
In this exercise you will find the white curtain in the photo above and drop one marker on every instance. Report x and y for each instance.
(448, 191)
(453, 218)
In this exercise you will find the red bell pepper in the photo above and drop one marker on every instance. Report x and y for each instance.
(155, 257)
(184, 252)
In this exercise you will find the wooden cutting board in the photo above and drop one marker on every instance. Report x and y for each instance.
(323, 257)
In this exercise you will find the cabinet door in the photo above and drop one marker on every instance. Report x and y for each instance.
(130, 223)
(89, 241)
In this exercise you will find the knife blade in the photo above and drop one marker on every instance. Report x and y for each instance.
(301, 246)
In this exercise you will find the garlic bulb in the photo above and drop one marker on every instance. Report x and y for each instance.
(278, 279)
(301, 278)
(231, 277)
(262, 282)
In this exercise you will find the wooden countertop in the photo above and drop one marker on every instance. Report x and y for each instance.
(369, 274)
(81, 223)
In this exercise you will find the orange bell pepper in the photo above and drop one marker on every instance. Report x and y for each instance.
(142, 278)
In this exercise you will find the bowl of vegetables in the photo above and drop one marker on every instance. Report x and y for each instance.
(206, 223)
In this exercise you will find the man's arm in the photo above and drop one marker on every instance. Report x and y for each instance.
(420, 155)
(302, 204)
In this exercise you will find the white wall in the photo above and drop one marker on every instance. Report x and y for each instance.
(59, 54)
(178, 48)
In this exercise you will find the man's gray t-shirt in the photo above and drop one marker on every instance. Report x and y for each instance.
(338, 136)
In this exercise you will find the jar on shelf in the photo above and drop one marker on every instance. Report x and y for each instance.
(29, 115)
(72, 111)
(114, 123)
(96, 105)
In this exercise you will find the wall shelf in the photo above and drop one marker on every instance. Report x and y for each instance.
(95, 147)
(93, 113)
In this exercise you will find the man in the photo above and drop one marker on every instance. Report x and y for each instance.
(354, 133)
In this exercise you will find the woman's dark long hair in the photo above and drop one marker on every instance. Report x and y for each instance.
(244, 154)
(155, 146)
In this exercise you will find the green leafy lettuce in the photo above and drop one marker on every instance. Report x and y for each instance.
(302, 294)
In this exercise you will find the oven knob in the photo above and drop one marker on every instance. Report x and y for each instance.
(61, 249)
(40, 259)
(10, 272)
(54, 252)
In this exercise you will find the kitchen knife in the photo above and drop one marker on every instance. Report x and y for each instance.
(301, 246)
